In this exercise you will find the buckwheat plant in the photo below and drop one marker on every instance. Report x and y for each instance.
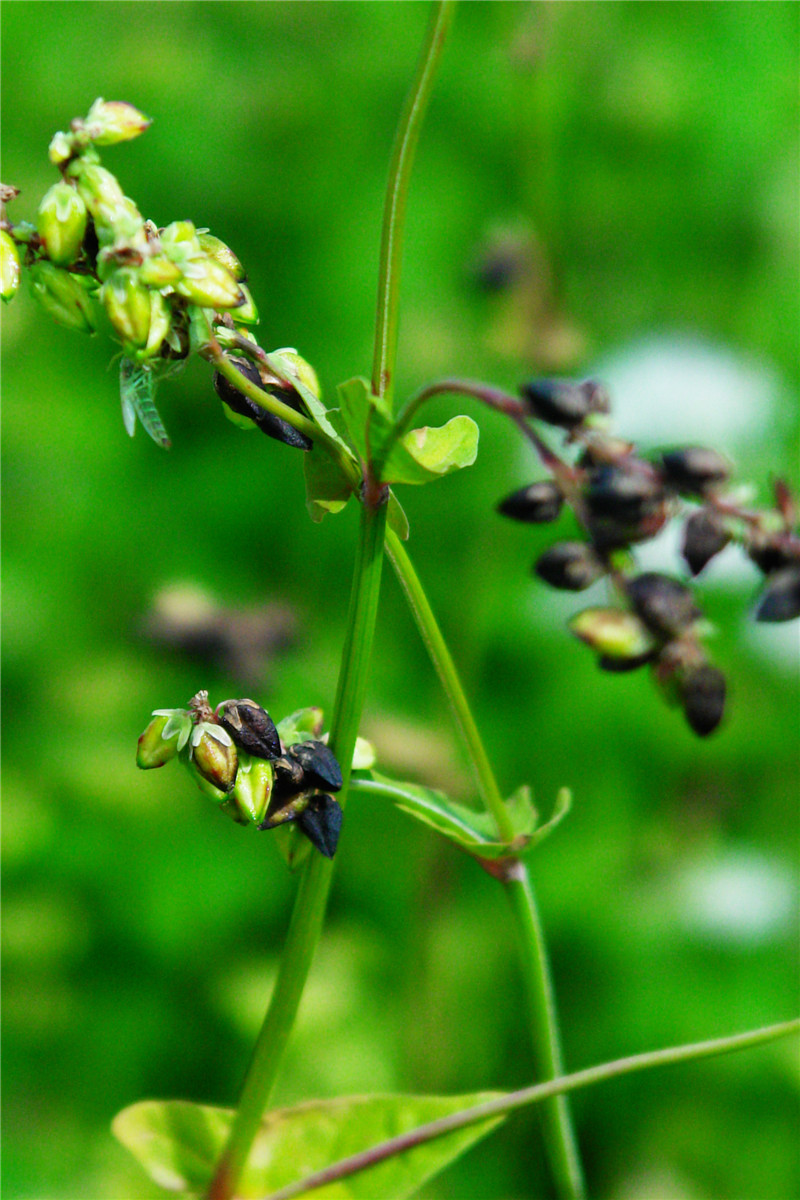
(165, 294)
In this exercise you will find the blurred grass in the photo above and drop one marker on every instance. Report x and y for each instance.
(653, 151)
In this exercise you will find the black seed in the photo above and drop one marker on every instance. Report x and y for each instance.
(319, 765)
(780, 600)
(695, 469)
(289, 778)
(621, 666)
(536, 503)
(626, 492)
(274, 427)
(571, 566)
(703, 698)
(322, 823)
(557, 402)
(666, 606)
(704, 536)
(771, 552)
(251, 728)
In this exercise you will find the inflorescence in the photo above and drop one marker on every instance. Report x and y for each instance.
(621, 499)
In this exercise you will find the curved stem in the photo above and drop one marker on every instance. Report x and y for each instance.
(446, 669)
(312, 894)
(534, 967)
(385, 351)
(532, 1095)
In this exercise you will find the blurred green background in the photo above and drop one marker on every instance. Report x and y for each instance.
(599, 186)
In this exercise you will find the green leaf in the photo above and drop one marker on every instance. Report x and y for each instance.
(315, 406)
(434, 451)
(474, 831)
(179, 1143)
(301, 725)
(419, 456)
(396, 517)
(327, 487)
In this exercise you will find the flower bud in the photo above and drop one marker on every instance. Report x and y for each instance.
(704, 535)
(205, 283)
(571, 566)
(158, 271)
(9, 266)
(129, 305)
(613, 633)
(112, 121)
(537, 503)
(320, 767)
(253, 787)
(321, 822)
(99, 191)
(154, 749)
(666, 606)
(61, 223)
(60, 148)
(702, 695)
(780, 600)
(215, 248)
(64, 296)
(695, 470)
(557, 402)
(214, 757)
(251, 727)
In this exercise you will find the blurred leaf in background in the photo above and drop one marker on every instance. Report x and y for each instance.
(600, 187)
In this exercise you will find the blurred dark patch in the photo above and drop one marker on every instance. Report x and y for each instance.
(241, 642)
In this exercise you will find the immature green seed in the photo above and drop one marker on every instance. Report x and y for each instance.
(253, 787)
(9, 266)
(64, 296)
(215, 761)
(215, 248)
(61, 223)
(154, 749)
(112, 121)
(129, 305)
(99, 191)
(613, 632)
(206, 283)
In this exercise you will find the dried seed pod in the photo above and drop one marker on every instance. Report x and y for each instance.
(556, 401)
(780, 600)
(695, 469)
(665, 605)
(274, 427)
(321, 822)
(571, 566)
(702, 695)
(320, 767)
(537, 503)
(704, 535)
(251, 728)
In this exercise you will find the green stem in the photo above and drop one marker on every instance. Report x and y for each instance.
(309, 907)
(385, 350)
(531, 1095)
(446, 669)
(312, 894)
(543, 1020)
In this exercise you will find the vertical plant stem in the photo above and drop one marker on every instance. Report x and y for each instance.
(312, 894)
(542, 1015)
(386, 322)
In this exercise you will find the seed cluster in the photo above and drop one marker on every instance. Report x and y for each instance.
(237, 758)
(167, 293)
(621, 499)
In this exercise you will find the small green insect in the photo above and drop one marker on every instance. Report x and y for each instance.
(137, 389)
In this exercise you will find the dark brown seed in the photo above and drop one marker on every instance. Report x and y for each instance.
(703, 698)
(319, 765)
(695, 469)
(321, 822)
(704, 535)
(571, 566)
(621, 666)
(289, 778)
(626, 492)
(274, 427)
(780, 600)
(666, 606)
(251, 728)
(537, 503)
(557, 402)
